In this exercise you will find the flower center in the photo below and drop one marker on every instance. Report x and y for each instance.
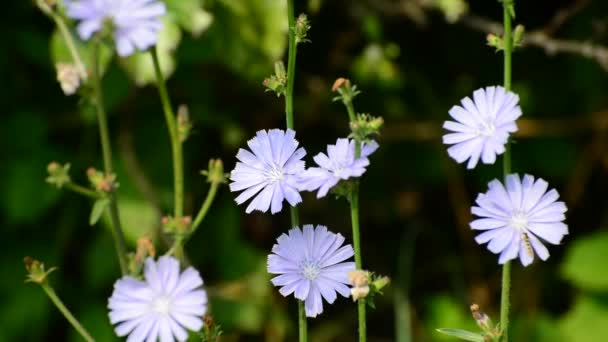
(487, 129)
(274, 174)
(519, 221)
(162, 305)
(310, 270)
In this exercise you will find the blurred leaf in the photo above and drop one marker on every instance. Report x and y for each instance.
(445, 311)
(585, 259)
(190, 15)
(137, 216)
(101, 264)
(462, 334)
(140, 66)
(586, 322)
(61, 54)
(99, 207)
(94, 317)
(26, 307)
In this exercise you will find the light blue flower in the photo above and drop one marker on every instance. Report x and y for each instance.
(516, 220)
(338, 164)
(162, 306)
(271, 171)
(483, 125)
(310, 264)
(136, 23)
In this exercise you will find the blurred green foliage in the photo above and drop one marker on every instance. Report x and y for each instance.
(411, 67)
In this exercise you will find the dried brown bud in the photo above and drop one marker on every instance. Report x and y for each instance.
(358, 278)
(338, 83)
(53, 167)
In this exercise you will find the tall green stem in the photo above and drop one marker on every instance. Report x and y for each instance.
(66, 313)
(506, 270)
(291, 77)
(119, 239)
(291, 64)
(176, 144)
(354, 215)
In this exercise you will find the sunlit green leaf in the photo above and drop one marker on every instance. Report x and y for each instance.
(585, 259)
(190, 15)
(462, 334)
(61, 54)
(586, 322)
(99, 207)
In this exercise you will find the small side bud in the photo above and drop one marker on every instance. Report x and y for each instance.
(68, 78)
(215, 173)
(495, 41)
(277, 83)
(211, 332)
(184, 125)
(518, 35)
(173, 225)
(101, 181)
(58, 174)
(358, 278)
(365, 126)
(339, 82)
(144, 249)
(36, 271)
(484, 322)
(302, 27)
(345, 89)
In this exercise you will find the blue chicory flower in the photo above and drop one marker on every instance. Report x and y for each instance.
(271, 171)
(516, 220)
(483, 125)
(162, 306)
(310, 264)
(338, 164)
(136, 23)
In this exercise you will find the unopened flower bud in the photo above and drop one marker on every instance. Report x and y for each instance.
(338, 83)
(36, 271)
(184, 125)
(215, 173)
(482, 320)
(302, 27)
(518, 35)
(495, 41)
(277, 83)
(58, 174)
(68, 78)
(359, 292)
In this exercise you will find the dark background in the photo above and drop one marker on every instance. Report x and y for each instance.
(412, 66)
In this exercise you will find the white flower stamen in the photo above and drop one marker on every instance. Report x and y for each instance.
(161, 305)
(310, 270)
(274, 174)
(519, 221)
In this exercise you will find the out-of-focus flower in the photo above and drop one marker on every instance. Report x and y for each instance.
(270, 171)
(310, 264)
(338, 164)
(162, 306)
(516, 220)
(135, 23)
(68, 78)
(483, 125)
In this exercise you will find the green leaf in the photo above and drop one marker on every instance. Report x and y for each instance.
(444, 311)
(462, 334)
(61, 54)
(98, 208)
(586, 322)
(190, 15)
(584, 261)
(140, 67)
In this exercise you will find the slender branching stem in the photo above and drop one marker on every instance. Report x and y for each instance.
(176, 144)
(66, 313)
(354, 215)
(79, 189)
(302, 325)
(69, 42)
(117, 233)
(204, 209)
(506, 270)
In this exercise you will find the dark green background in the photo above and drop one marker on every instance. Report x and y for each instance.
(414, 199)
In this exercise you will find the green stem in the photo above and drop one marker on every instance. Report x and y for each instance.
(204, 209)
(354, 215)
(176, 145)
(291, 64)
(83, 191)
(302, 325)
(119, 239)
(351, 110)
(291, 77)
(66, 313)
(69, 41)
(506, 270)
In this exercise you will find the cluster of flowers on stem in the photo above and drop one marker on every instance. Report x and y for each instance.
(518, 217)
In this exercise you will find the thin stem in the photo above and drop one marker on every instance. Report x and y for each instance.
(176, 145)
(302, 328)
(69, 41)
(204, 209)
(354, 215)
(291, 77)
(66, 313)
(83, 191)
(119, 239)
(291, 64)
(506, 270)
(351, 110)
